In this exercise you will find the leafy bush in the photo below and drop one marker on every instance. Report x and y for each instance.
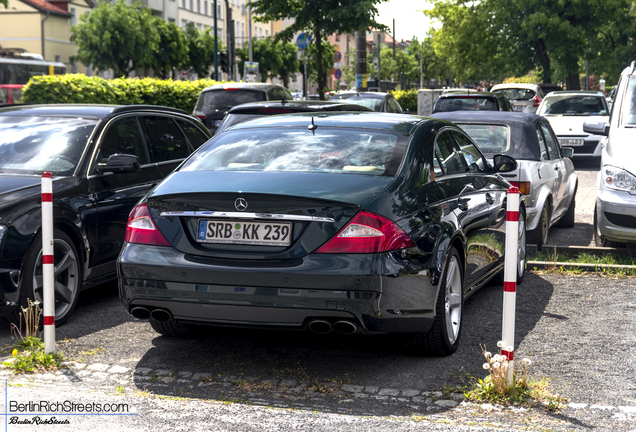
(407, 99)
(78, 88)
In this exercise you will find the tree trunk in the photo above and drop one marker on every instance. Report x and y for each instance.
(322, 79)
(572, 82)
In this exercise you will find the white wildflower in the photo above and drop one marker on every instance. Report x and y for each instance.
(526, 362)
(487, 354)
(486, 366)
(497, 365)
(500, 344)
(510, 348)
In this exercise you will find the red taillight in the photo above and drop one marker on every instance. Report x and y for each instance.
(200, 116)
(368, 233)
(142, 229)
(537, 101)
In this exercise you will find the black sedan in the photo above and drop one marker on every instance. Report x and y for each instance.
(338, 221)
(377, 101)
(103, 160)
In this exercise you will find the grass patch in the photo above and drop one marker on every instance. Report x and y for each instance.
(28, 356)
(601, 261)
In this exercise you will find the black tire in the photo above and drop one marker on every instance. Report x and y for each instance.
(600, 240)
(567, 220)
(171, 328)
(68, 277)
(443, 338)
(521, 253)
(539, 235)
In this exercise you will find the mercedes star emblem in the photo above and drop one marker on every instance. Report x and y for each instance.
(240, 204)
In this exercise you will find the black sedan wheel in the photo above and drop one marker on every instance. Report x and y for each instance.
(443, 337)
(67, 277)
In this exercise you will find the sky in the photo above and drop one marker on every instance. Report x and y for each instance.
(409, 21)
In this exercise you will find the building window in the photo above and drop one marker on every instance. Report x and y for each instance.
(58, 58)
(184, 23)
(205, 7)
(192, 5)
(73, 16)
(183, 4)
(266, 33)
(198, 6)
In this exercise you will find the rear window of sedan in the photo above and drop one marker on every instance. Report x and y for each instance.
(489, 138)
(222, 100)
(466, 103)
(574, 106)
(331, 150)
(517, 94)
(373, 103)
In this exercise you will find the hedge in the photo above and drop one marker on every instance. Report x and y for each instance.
(407, 99)
(78, 88)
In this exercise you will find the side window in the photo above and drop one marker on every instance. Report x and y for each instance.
(195, 136)
(277, 94)
(288, 95)
(393, 105)
(542, 146)
(450, 157)
(551, 142)
(123, 137)
(471, 154)
(165, 140)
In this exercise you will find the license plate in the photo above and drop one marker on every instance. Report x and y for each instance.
(567, 142)
(246, 233)
(517, 108)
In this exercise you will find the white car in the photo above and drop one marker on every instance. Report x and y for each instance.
(524, 97)
(567, 111)
(615, 211)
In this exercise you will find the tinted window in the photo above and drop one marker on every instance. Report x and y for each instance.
(373, 103)
(195, 136)
(277, 93)
(517, 94)
(165, 140)
(338, 150)
(449, 156)
(473, 157)
(574, 105)
(393, 105)
(223, 100)
(489, 138)
(542, 144)
(123, 137)
(629, 106)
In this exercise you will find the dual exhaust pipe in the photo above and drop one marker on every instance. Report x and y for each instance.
(320, 326)
(144, 313)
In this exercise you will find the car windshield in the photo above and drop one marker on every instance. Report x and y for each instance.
(578, 105)
(463, 103)
(342, 150)
(489, 138)
(33, 145)
(374, 103)
(516, 93)
(629, 110)
(222, 100)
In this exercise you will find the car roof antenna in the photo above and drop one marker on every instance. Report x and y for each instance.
(283, 101)
(313, 126)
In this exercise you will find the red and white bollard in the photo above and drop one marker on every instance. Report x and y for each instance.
(510, 280)
(48, 265)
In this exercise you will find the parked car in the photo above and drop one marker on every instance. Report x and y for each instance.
(214, 101)
(250, 111)
(567, 111)
(377, 101)
(460, 100)
(524, 97)
(332, 222)
(103, 160)
(615, 211)
(545, 175)
(11, 93)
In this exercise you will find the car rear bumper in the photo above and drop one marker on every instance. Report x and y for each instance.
(379, 292)
(616, 215)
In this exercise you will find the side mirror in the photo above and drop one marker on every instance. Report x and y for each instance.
(120, 163)
(596, 128)
(504, 163)
(567, 152)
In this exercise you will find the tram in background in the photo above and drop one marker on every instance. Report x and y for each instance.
(16, 69)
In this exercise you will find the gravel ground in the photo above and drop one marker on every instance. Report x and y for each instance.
(577, 330)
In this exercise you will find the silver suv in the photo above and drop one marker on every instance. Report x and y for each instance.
(615, 211)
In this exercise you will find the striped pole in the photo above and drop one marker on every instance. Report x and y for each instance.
(48, 266)
(510, 280)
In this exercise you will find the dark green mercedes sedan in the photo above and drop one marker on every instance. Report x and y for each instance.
(344, 222)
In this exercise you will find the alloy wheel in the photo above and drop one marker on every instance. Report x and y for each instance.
(453, 300)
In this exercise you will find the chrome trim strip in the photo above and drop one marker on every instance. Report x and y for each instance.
(243, 215)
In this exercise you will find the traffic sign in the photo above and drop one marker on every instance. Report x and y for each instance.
(303, 40)
(338, 74)
(337, 56)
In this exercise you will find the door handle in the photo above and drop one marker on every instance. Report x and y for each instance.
(556, 168)
(489, 199)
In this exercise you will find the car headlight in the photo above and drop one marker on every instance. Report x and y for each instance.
(619, 179)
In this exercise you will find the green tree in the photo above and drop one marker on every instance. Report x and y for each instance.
(116, 36)
(290, 63)
(349, 71)
(313, 67)
(172, 51)
(5, 3)
(200, 50)
(267, 53)
(321, 18)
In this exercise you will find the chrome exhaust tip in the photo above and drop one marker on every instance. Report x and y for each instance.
(140, 312)
(345, 327)
(320, 326)
(162, 315)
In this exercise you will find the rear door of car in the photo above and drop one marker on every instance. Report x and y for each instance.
(115, 194)
(559, 165)
(464, 184)
(551, 169)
